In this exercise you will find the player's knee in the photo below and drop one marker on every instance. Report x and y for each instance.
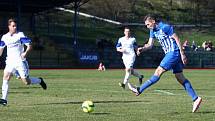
(180, 78)
(128, 69)
(26, 81)
(6, 76)
(159, 71)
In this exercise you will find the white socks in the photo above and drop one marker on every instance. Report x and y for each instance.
(35, 80)
(5, 87)
(131, 87)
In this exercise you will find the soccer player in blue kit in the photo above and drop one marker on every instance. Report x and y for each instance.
(174, 58)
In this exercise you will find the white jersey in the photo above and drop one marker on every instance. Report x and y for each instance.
(128, 45)
(15, 46)
(128, 55)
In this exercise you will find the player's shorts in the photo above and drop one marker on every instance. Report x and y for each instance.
(21, 67)
(172, 61)
(128, 61)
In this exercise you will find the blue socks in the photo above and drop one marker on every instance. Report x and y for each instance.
(187, 86)
(148, 83)
(189, 89)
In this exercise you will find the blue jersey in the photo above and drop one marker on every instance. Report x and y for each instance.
(163, 33)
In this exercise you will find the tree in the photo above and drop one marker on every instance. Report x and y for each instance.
(76, 4)
(119, 10)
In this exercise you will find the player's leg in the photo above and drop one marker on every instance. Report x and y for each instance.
(154, 78)
(132, 87)
(131, 61)
(103, 67)
(126, 77)
(178, 71)
(5, 85)
(166, 64)
(16, 74)
(136, 73)
(128, 66)
(189, 89)
(187, 85)
(24, 74)
(34, 80)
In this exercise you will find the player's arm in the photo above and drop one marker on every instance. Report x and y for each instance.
(183, 56)
(168, 29)
(135, 45)
(2, 45)
(1, 50)
(147, 46)
(119, 47)
(27, 42)
(27, 51)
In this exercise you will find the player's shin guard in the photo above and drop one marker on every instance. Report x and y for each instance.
(5, 87)
(148, 83)
(35, 80)
(188, 87)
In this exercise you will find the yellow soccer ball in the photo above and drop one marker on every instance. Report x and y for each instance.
(88, 106)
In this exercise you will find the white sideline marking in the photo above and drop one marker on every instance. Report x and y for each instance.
(165, 92)
(159, 91)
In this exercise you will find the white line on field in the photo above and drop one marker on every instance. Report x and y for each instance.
(165, 92)
(159, 91)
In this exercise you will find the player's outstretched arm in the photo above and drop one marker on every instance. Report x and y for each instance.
(120, 49)
(147, 46)
(28, 49)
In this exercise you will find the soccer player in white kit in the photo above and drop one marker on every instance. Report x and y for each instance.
(16, 59)
(127, 46)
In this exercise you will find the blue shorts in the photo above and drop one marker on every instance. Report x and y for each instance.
(172, 61)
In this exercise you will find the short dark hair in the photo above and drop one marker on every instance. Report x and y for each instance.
(11, 20)
(151, 17)
(126, 27)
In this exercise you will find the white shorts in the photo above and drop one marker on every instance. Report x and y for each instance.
(21, 67)
(128, 61)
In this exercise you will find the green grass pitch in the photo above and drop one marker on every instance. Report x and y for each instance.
(67, 89)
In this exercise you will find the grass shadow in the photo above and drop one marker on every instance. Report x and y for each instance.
(96, 113)
(14, 92)
(205, 112)
(96, 102)
(27, 87)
